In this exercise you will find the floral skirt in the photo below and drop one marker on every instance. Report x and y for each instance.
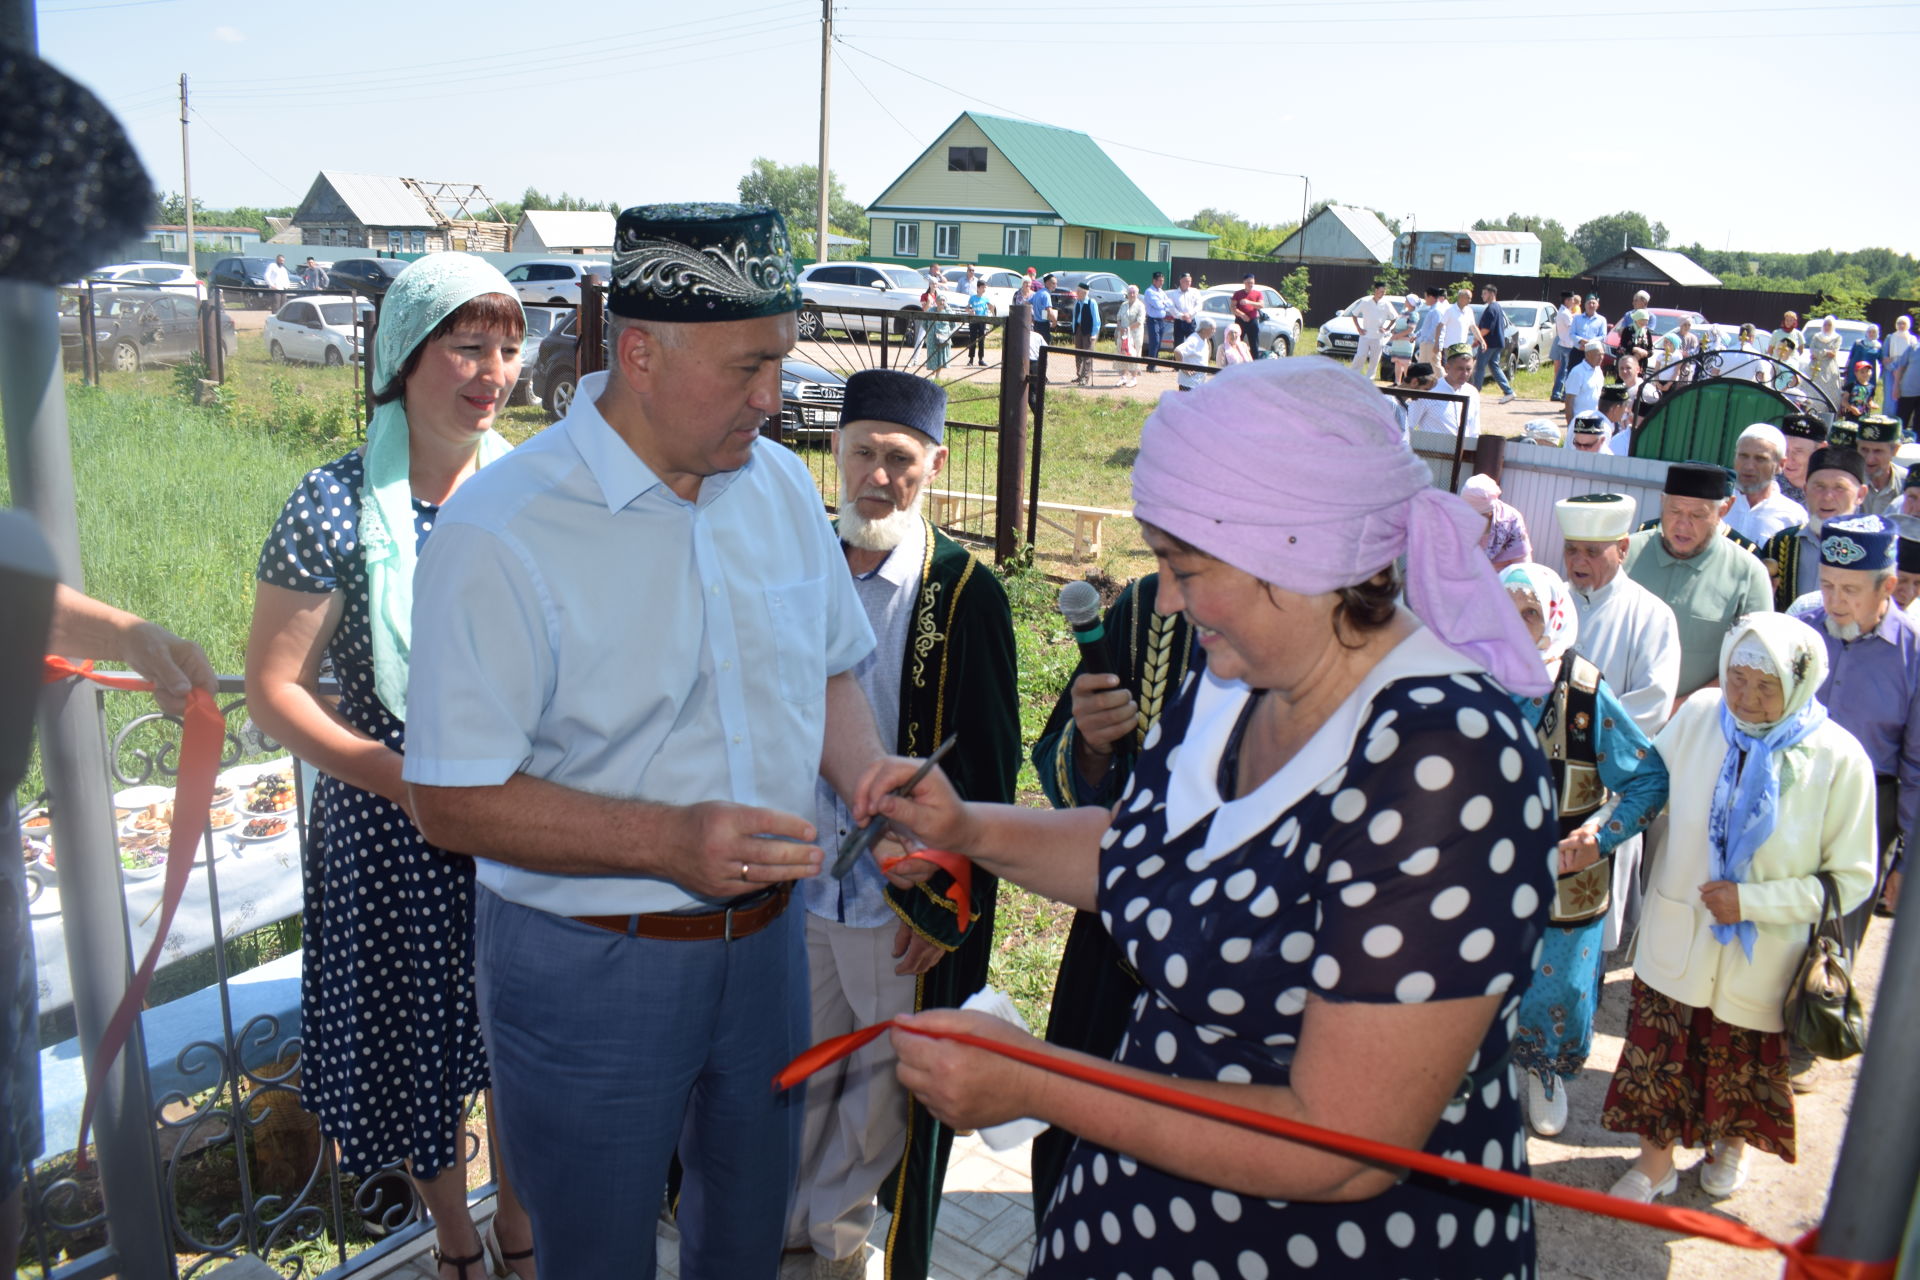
(1555, 1032)
(1687, 1077)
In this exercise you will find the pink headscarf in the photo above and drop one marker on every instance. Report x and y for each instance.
(1479, 493)
(1294, 471)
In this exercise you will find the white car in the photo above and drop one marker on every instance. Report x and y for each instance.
(1339, 337)
(555, 282)
(887, 286)
(317, 329)
(1279, 323)
(170, 276)
(999, 285)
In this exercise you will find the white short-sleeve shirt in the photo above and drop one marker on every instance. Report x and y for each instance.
(577, 621)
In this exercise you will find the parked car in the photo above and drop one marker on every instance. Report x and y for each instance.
(364, 275)
(1000, 285)
(1530, 333)
(133, 328)
(1339, 337)
(1280, 324)
(146, 275)
(887, 286)
(555, 281)
(541, 321)
(1106, 289)
(316, 329)
(242, 273)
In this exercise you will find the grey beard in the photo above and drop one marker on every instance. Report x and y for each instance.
(1842, 630)
(883, 534)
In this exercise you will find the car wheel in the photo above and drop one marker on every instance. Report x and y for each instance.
(907, 326)
(1509, 362)
(125, 357)
(559, 397)
(275, 354)
(1282, 346)
(332, 358)
(811, 326)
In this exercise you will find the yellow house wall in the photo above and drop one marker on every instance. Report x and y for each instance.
(929, 183)
(977, 239)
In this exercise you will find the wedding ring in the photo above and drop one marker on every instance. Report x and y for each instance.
(743, 871)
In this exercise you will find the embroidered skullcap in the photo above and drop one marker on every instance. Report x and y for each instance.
(1457, 349)
(1878, 428)
(1421, 369)
(690, 263)
(1595, 517)
(1295, 471)
(1613, 393)
(1768, 434)
(1844, 435)
(1858, 542)
(1588, 422)
(903, 399)
(1906, 556)
(1913, 479)
(1697, 480)
(72, 190)
(1836, 459)
(1479, 493)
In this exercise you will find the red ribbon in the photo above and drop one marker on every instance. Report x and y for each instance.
(954, 865)
(1801, 1262)
(204, 730)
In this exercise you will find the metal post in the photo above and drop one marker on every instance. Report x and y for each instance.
(73, 753)
(1490, 457)
(1874, 1184)
(371, 328)
(826, 102)
(590, 350)
(186, 175)
(1012, 460)
(886, 327)
(217, 367)
(89, 353)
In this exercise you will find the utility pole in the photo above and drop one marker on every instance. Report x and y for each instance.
(826, 103)
(186, 172)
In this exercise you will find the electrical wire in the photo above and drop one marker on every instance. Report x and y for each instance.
(196, 113)
(878, 101)
(1665, 38)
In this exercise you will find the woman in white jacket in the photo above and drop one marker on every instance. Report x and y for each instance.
(1767, 793)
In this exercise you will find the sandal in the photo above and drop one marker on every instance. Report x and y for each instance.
(461, 1264)
(499, 1260)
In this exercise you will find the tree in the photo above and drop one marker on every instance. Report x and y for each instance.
(1235, 238)
(1558, 257)
(794, 189)
(170, 210)
(1295, 288)
(1601, 238)
(1843, 301)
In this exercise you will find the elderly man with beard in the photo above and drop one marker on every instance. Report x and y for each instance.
(1632, 636)
(1836, 485)
(1805, 435)
(943, 663)
(1879, 441)
(1760, 510)
(1872, 688)
(1706, 578)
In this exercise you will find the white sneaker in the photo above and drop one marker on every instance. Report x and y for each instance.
(1721, 1176)
(1546, 1112)
(1507, 398)
(1638, 1187)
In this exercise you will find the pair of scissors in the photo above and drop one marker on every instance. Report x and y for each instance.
(861, 839)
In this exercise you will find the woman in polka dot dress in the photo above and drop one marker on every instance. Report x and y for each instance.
(392, 1048)
(1331, 867)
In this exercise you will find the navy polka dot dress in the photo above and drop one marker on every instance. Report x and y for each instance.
(391, 1035)
(1419, 869)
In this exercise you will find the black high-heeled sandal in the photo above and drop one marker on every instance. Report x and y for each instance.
(479, 1259)
(500, 1258)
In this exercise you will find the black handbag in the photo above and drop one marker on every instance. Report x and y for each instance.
(1821, 1010)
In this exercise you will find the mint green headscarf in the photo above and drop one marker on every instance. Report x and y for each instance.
(423, 295)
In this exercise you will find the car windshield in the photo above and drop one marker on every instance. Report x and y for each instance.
(905, 278)
(1524, 316)
(340, 314)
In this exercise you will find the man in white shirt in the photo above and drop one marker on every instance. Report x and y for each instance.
(1456, 323)
(1373, 316)
(1630, 634)
(1186, 309)
(278, 280)
(1760, 510)
(637, 825)
(1563, 352)
(1196, 349)
(1444, 415)
(1585, 381)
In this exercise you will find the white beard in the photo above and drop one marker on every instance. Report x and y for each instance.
(1842, 630)
(884, 534)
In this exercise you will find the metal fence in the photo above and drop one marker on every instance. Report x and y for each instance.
(242, 1168)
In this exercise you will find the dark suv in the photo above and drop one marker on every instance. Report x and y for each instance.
(363, 275)
(243, 273)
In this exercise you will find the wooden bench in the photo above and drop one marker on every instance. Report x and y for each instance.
(955, 508)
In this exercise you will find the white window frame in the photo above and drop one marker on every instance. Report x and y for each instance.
(396, 241)
(1090, 243)
(419, 242)
(946, 240)
(906, 239)
(1016, 242)
(1166, 251)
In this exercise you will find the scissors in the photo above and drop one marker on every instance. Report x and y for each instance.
(861, 839)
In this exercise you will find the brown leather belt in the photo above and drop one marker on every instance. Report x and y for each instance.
(729, 924)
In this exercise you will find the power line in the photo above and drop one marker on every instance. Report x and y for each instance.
(878, 101)
(201, 117)
(1640, 37)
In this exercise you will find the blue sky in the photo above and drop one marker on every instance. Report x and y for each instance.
(1729, 122)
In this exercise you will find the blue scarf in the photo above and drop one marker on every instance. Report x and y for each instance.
(1746, 802)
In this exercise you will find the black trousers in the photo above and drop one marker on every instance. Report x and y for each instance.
(1910, 416)
(977, 341)
(1250, 330)
(1182, 330)
(1887, 853)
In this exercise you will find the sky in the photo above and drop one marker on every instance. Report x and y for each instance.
(1729, 122)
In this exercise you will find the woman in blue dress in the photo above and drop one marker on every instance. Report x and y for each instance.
(1611, 784)
(391, 1034)
(1330, 866)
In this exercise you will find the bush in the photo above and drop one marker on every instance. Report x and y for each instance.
(1297, 289)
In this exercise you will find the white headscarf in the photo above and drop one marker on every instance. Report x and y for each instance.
(1556, 606)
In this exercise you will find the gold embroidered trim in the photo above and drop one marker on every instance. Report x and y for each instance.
(1155, 676)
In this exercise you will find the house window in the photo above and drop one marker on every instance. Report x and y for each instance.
(396, 241)
(1089, 244)
(1016, 242)
(966, 159)
(1436, 262)
(1166, 251)
(946, 239)
(906, 239)
(1463, 245)
(419, 242)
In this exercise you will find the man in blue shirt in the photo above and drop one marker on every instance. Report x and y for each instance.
(1493, 332)
(1042, 304)
(1873, 680)
(1589, 325)
(1159, 307)
(1426, 338)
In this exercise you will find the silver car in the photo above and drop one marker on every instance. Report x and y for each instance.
(1279, 323)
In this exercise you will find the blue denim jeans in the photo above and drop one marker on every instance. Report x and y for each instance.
(1489, 361)
(609, 1052)
(1155, 329)
(1561, 363)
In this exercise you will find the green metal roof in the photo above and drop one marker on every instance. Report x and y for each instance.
(1082, 183)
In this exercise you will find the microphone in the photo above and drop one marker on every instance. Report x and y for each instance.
(1080, 605)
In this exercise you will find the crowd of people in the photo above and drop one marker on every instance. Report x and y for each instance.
(1350, 816)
